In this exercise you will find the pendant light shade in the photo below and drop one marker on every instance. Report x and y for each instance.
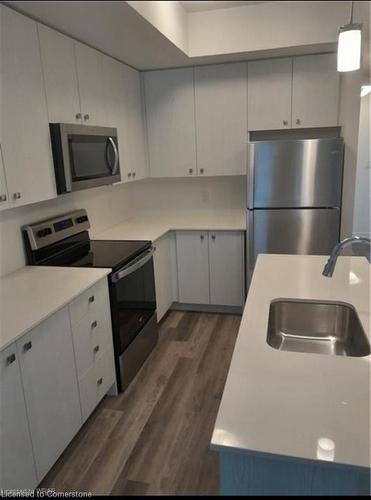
(349, 45)
(349, 48)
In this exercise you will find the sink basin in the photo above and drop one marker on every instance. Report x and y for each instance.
(316, 327)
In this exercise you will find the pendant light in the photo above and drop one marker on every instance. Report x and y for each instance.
(349, 45)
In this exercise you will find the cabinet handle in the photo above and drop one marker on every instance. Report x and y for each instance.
(27, 346)
(94, 324)
(201, 170)
(10, 359)
(129, 174)
(133, 174)
(202, 237)
(213, 237)
(86, 117)
(91, 299)
(3, 197)
(96, 348)
(100, 381)
(190, 171)
(78, 116)
(285, 122)
(297, 121)
(17, 195)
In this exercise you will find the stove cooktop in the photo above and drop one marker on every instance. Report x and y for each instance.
(110, 253)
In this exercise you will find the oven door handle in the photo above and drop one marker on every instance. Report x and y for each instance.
(116, 162)
(142, 259)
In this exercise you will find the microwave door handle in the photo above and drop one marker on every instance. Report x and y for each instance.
(116, 162)
(137, 264)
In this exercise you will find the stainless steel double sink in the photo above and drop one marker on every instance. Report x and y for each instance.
(331, 328)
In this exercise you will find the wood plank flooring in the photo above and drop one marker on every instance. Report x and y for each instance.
(154, 439)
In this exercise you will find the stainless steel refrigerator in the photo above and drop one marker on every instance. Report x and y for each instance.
(293, 197)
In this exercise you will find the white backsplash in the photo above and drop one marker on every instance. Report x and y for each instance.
(109, 205)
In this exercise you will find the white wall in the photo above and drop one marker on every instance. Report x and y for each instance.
(169, 18)
(362, 204)
(106, 207)
(265, 26)
(207, 194)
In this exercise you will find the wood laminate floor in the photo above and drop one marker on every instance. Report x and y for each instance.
(154, 439)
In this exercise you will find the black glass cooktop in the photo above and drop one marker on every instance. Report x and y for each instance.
(109, 253)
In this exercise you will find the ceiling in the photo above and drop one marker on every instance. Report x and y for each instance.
(191, 6)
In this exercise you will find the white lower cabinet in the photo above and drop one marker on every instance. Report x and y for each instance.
(93, 345)
(17, 466)
(210, 267)
(52, 378)
(50, 383)
(193, 268)
(226, 268)
(164, 261)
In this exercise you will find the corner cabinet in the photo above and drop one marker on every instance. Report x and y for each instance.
(210, 267)
(25, 138)
(43, 378)
(298, 92)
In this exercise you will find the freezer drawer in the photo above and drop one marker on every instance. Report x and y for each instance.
(295, 173)
(292, 231)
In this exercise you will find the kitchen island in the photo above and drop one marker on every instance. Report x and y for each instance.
(279, 406)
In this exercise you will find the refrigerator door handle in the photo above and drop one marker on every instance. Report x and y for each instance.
(250, 175)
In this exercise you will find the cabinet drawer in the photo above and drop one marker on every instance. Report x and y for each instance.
(91, 336)
(89, 302)
(96, 382)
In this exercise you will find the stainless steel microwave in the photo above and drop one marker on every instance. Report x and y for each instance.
(84, 156)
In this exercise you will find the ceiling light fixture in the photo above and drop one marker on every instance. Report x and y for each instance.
(349, 45)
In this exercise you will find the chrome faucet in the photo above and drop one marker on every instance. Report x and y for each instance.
(330, 265)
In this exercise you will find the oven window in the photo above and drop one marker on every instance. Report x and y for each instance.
(133, 302)
(91, 157)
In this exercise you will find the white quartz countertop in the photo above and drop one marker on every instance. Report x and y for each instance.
(282, 403)
(32, 294)
(153, 226)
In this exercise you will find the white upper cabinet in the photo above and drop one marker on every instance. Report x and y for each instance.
(315, 92)
(135, 144)
(17, 467)
(25, 134)
(4, 197)
(221, 119)
(91, 80)
(59, 67)
(269, 94)
(170, 115)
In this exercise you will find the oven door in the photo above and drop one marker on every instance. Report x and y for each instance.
(84, 156)
(133, 299)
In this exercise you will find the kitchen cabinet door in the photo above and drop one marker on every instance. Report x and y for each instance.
(226, 268)
(269, 94)
(17, 467)
(193, 267)
(25, 134)
(163, 259)
(59, 68)
(315, 92)
(169, 97)
(221, 119)
(135, 152)
(4, 197)
(51, 389)
(90, 67)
